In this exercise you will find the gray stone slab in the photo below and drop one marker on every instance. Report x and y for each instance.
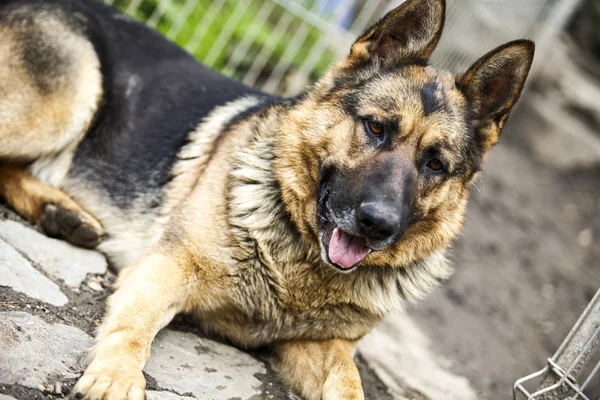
(18, 273)
(57, 257)
(5, 397)
(35, 354)
(158, 395)
(398, 351)
(184, 363)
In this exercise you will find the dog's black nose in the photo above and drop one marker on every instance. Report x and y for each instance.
(378, 221)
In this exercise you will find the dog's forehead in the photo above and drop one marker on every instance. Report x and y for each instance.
(446, 80)
(417, 89)
(423, 100)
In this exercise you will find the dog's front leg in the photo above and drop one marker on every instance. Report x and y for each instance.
(149, 295)
(321, 369)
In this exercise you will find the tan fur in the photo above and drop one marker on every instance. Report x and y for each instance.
(235, 243)
(26, 194)
(29, 196)
(54, 113)
(47, 102)
(321, 370)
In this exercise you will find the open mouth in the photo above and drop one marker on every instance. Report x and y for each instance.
(342, 249)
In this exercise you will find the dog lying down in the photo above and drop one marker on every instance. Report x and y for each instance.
(291, 223)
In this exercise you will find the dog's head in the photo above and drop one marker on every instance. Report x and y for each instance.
(377, 161)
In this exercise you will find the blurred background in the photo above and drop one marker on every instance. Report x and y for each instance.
(529, 259)
(280, 46)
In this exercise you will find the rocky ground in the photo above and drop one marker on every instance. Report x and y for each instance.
(526, 265)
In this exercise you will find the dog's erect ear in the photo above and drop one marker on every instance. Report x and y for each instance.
(410, 32)
(493, 85)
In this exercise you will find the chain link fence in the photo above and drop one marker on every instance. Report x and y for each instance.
(280, 46)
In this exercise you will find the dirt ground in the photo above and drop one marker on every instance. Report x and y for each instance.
(529, 259)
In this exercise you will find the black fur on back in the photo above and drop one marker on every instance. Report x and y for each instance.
(154, 94)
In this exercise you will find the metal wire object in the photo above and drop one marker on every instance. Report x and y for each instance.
(566, 376)
(281, 46)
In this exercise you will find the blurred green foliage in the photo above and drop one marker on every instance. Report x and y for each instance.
(265, 29)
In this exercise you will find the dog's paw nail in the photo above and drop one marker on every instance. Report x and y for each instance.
(68, 219)
(48, 221)
(86, 236)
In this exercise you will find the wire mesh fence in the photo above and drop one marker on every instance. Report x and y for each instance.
(573, 368)
(280, 46)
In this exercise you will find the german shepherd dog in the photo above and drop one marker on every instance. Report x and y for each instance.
(291, 223)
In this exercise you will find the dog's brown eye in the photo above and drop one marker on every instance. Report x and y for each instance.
(435, 164)
(374, 128)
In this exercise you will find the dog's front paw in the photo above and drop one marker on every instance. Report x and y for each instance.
(111, 381)
(343, 382)
(339, 393)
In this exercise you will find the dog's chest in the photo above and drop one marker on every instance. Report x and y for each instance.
(304, 302)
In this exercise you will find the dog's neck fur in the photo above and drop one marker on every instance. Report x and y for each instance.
(268, 238)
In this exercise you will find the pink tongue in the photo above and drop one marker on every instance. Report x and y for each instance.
(346, 250)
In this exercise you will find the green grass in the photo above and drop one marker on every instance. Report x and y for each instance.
(265, 36)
